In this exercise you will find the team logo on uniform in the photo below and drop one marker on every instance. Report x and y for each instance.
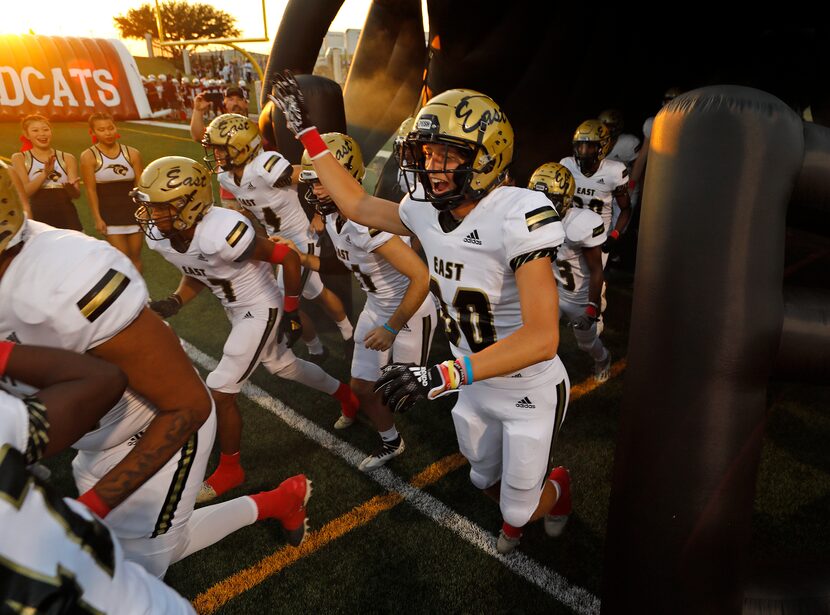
(13, 338)
(118, 169)
(525, 402)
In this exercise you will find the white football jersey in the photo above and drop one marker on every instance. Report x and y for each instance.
(54, 555)
(596, 192)
(625, 150)
(583, 229)
(67, 290)
(222, 237)
(354, 245)
(472, 266)
(278, 210)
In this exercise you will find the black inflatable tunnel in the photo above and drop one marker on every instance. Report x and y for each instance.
(707, 322)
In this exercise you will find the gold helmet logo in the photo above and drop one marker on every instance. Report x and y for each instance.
(12, 216)
(475, 125)
(557, 183)
(347, 152)
(234, 135)
(172, 195)
(597, 143)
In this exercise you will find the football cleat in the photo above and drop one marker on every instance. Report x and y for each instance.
(509, 538)
(295, 523)
(343, 422)
(206, 494)
(602, 369)
(320, 358)
(385, 452)
(557, 518)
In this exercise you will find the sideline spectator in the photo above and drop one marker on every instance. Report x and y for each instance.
(109, 169)
(49, 176)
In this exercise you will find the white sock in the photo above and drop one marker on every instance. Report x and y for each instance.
(310, 375)
(315, 346)
(210, 524)
(346, 329)
(389, 435)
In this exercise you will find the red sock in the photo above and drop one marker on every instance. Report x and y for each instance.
(511, 531)
(284, 502)
(349, 403)
(228, 475)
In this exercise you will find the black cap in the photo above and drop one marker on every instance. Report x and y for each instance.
(235, 90)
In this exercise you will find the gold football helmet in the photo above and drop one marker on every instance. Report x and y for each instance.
(237, 135)
(347, 152)
(473, 125)
(12, 216)
(612, 119)
(591, 144)
(557, 183)
(172, 195)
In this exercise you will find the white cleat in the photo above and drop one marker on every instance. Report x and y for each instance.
(206, 494)
(343, 422)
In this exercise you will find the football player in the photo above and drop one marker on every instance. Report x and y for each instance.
(399, 317)
(142, 464)
(490, 249)
(599, 179)
(579, 273)
(217, 248)
(55, 555)
(262, 183)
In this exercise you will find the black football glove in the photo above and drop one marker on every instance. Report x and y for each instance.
(289, 98)
(611, 242)
(403, 384)
(583, 322)
(290, 327)
(167, 307)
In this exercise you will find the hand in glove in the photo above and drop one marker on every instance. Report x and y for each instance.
(403, 384)
(167, 307)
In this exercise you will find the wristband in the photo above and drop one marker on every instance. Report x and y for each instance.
(291, 303)
(615, 234)
(390, 329)
(632, 185)
(278, 253)
(592, 310)
(313, 142)
(467, 370)
(93, 502)
(5, 350)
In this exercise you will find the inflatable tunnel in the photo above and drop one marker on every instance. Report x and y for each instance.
(712, 321)
(68, 78)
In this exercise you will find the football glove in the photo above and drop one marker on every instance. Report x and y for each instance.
(290, 100)
(611, 242)
(290, 327)
(167, 307)
(403, 384)
(586, 320)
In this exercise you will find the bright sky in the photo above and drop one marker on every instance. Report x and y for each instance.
(89, 18)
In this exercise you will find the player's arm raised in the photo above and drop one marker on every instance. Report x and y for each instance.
(351, 198)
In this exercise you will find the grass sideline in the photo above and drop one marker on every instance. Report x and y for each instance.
(402, 561)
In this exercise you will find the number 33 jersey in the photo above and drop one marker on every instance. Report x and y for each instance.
(472, 266)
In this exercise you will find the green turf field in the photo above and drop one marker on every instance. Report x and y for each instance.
(416, 536)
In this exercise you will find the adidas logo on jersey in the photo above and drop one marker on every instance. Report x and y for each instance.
(248, 315)
(473, 238)
(600, 181)
(13, 338)
(406, 328)
(525, 402)
(202, 257)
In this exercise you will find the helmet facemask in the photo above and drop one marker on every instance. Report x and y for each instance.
(587, 155)
(412, 160)
(556, 183)
(214, 164)
(160, 220)
(323, 206)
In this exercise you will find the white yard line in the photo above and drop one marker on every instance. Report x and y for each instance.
(549, 581)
